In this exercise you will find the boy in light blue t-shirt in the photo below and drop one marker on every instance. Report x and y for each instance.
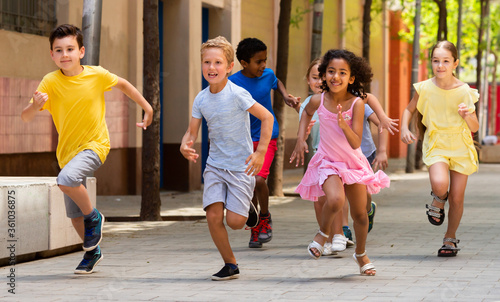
(232, 164)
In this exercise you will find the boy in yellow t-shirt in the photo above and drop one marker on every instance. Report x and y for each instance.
(74, 96)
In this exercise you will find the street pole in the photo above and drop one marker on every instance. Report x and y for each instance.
(91, 28)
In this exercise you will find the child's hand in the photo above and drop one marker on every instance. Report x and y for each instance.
(389, 124)
(342, 123)
(407, 137)
(188, 152)
(293, 102)
(146, 121)
(298, 153)
(255, 162)
(380, 161)
(39, 99)
(463, 110)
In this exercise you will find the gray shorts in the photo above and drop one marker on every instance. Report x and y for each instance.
(74, 174)
(234, 189)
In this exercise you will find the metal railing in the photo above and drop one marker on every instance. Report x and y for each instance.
(28, 16)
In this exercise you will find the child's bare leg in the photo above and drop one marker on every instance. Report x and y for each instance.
(356, 194)
(345, 214)
(79, 226)
(262, 194)
(458, 182)
(235, 221)
(215, 219)
(438, 174)
(318, 207)
(80, 196)
(334, 192)
(368, 202)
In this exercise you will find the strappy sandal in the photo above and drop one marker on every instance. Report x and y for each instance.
(317, 246)
(435, 211)
(369, 266)
(448, 250)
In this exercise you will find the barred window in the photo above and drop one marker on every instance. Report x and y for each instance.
(28, 16)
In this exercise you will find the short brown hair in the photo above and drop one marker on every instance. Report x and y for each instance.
(223, 44)
(65, 30)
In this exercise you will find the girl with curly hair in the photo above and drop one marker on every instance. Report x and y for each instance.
(339, 169)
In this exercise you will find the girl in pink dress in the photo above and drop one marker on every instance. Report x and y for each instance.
(339, 168)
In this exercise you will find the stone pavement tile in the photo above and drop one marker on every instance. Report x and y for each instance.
(173, 261)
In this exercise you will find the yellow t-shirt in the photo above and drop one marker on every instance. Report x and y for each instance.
(77, 107)
(447, 134)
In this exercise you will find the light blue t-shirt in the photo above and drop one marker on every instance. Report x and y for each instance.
(260, 89)
(228, 124)
(315, 129)
(367, 144)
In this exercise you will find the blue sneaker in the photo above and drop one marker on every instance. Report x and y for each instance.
(90, 260)
(371, 216)
(348, 235)
(93, 232)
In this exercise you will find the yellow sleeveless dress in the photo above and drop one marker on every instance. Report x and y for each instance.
(447, 138)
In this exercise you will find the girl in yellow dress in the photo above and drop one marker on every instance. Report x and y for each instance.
(447, 108)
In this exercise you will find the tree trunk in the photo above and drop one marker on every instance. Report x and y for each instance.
(479, 59)
(493, 95)
(275, 181)
(410, 155)
(442, 33)
(367, 19)
(459, 34)
(317, 33)
(151, 202)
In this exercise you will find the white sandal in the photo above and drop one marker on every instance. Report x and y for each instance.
(364, 268)
(339, 243)
(317, 246)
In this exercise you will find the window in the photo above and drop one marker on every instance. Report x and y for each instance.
(28, 16)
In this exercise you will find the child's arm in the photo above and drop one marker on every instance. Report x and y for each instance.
(380, 160)
(256, 159)
(354, 134)
(137, 97)
(189, 138)
(289, 99)
(469, 117)
(406, 136)
(305, 121)
(385, 121)
(29, 113)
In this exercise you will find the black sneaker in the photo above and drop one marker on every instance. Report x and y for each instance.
(90, 260)
(93, 232)
(226, 273)
(266, 229)
(254, 237)
(253, 217)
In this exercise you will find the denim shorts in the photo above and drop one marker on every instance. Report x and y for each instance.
(234, 189)
(74, 174)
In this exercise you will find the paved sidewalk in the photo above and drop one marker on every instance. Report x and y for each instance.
(173, 260)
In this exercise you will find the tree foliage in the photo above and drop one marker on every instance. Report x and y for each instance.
(471, 19)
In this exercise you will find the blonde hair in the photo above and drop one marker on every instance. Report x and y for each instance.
(221, 43)
(314, 62)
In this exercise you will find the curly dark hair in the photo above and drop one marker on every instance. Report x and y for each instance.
(360, 70)
(248, 47)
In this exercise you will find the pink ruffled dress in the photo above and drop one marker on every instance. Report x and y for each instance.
(336, 157)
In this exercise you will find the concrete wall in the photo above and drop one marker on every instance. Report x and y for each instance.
(33, 216)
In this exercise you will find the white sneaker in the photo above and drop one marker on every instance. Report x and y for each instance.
(327, 250)
(339, 243)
